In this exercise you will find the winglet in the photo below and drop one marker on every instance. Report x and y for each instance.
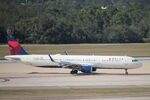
(51, 58)
(66, 53)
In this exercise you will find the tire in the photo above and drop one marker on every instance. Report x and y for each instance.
(71, 72)
(74, 72)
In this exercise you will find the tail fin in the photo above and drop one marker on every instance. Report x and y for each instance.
(14, 47)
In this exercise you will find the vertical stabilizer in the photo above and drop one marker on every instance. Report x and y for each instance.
(14, 47)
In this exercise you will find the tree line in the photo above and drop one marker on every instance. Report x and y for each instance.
(75, 21)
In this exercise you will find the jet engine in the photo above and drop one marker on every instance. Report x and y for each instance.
(87, 69)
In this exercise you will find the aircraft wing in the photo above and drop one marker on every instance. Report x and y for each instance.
(71, 65)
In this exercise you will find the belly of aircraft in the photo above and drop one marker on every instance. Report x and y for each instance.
(110, 65)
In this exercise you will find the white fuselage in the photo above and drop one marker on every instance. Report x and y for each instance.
(101, 62)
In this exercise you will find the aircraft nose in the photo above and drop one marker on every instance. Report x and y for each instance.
(138, 64)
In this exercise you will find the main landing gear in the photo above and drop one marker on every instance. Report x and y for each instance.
(126, 72)
(74, 72)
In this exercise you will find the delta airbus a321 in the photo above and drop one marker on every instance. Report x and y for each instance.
(83, 63)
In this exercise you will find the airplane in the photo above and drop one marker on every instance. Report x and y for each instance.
(83, 63)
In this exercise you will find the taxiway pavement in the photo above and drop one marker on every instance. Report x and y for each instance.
(20, 76)
(17, 75)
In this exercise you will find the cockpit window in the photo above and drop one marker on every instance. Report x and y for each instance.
(134, 60)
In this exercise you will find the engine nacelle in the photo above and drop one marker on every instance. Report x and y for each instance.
(86, 69)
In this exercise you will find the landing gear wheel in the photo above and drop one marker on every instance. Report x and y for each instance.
(71, 72)
(74, 72)
(126, 71)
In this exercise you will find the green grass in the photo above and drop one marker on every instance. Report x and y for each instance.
(71, 93)
(90, 49)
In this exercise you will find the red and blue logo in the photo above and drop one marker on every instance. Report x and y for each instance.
(14, 47)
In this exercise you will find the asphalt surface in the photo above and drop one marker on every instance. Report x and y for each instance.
(20, 76)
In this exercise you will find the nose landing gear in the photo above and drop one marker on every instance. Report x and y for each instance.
(126, 72)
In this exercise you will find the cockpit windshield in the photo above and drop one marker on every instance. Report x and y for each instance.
(135, 60)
